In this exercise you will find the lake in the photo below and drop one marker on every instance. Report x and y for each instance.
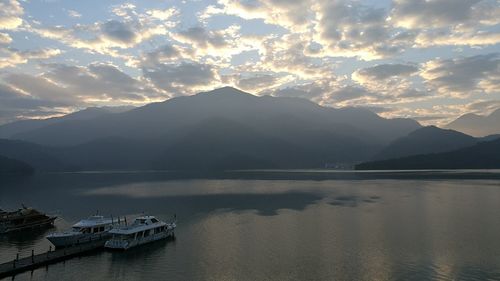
(275, 225)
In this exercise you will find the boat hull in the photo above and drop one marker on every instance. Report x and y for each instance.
(66, 240)
(127, 244)
(49, 222)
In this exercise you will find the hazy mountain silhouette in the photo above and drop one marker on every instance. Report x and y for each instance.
(483, 155)
(12, 166)
(477, 125)
(39, 157)
(426, 140)
(10, 130)
(221, 129)
(265, 114)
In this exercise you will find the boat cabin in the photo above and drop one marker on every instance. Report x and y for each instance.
(141, 228)
(94, 224)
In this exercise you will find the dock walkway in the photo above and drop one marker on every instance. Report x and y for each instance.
(32, 262)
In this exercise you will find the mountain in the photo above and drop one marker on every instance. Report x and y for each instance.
(265, 114)
(426, 140)
(39, 157)
(483, 155)
(477, 125)
(221, 129)
(489, 137)
(12, 166)
(10, 130)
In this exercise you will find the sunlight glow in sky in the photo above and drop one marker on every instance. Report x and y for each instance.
(430, 60)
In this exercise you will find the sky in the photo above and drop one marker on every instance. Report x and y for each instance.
(431, 60)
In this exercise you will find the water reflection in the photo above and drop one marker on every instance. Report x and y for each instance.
(279, 229)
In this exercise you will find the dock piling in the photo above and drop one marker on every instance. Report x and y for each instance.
(18, 265)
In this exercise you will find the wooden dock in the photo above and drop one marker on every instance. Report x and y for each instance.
(34, 261)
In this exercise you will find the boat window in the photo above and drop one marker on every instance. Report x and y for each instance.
(139, 234)
(77, 229)
(142, 221)
(96, 229)
(154, 220)
(101, 229)
(146, 233)
(86, 230)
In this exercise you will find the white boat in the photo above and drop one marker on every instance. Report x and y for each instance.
(84, 231)
(143, 230)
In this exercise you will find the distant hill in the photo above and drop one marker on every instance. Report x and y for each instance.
(426, 140)
(221, 129)
(10, 130)
(266, 114)
(477, 125)
(483, 155)
(11, 166)
(39, 157)
(489, 137)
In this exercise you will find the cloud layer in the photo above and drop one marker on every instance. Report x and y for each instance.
(400, 58)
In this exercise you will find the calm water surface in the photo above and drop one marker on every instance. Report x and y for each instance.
(276, 226)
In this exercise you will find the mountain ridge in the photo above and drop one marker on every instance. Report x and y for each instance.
(227, 127)
(483, 155)
(477, 125)
(429, 139)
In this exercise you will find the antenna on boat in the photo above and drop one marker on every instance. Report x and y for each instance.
(112, 219)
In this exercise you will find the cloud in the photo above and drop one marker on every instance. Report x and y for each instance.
(182, 78)
(312, 91)
(5, 39)
(162, 54)
(10, 14)
(289, 54)
(203, 38)
(354, 29)
(448, 22)
(442, 13)
(74, 14)
(464, 75)
(392, 81)
(14, 104)
(220, 44)
(457, 38)
(119, 32)
(349, 93)
(10, 57)
(108, 36)
(258, 82)
(386, 71)
(483, 106)
(163, 14)
(95, 84)
(292, 14)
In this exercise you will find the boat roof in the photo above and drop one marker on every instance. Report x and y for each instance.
(22, 212)
(140, 224)
(93, 221)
